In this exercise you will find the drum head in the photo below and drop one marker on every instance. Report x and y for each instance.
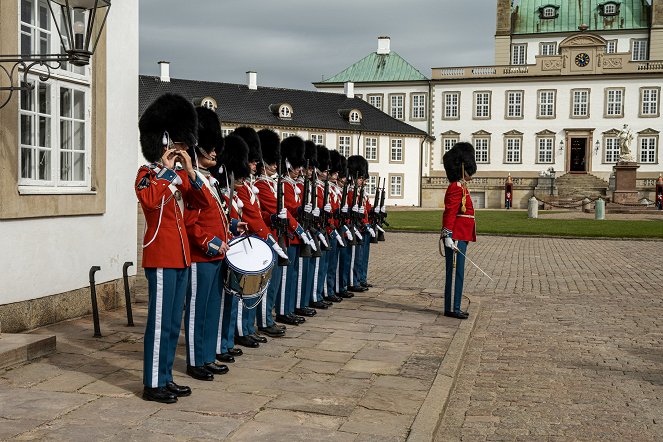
(255, 257)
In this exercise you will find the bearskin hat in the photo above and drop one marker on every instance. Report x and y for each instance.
(170, 113)
(292, 149)
(357, 166)
(209, 130)
(323, 158)
(270, 143)
(235, 157)
(460, 157)
(334, 161)
(311, 153)
(343, 173)
(252, 140)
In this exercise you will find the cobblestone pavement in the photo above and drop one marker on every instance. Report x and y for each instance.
(568, 345)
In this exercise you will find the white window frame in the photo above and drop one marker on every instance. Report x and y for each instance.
(545, 150)
(447, 144)
(375, 100)
(548, 48)
(371, 184)
(396, 182)
(451, 103)
(371, 149)
(580, 101)
(397, 106)
(481, 149)
(396, 150)
(614, 102)
(318, 138)
(519, 54)
(548, 12)
(513, 147)
(345, 145)
(418, 106)
(285, 112)
(639, 49)
(650, 101)
(482, 102)
(286, 134)
(648, 149)
(354, 117)
(611, 149)
(514, 105)
(611, 11)
(611, 47)
(546, 103)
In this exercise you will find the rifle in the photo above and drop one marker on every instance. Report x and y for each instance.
(324, 216)
(359, 219)
(340, 215)
(305, 250)
(352, 222)
(372, 217)
(231, 193)
(314, 221)
(382, 215)
(281, 226)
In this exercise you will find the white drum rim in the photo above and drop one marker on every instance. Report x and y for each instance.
(250, 272)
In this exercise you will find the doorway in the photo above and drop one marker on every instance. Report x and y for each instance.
(578, 155)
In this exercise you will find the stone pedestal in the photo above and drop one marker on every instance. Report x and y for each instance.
(625, 174)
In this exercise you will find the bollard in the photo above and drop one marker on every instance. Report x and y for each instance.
(586, 205)
(95, 308)
(533, 208)
(599, 209)
(127, 293)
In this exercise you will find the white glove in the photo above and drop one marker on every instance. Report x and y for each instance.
(328, 208)
(279, 251)
(283, 214)
(371, 231)
(339, 239)
(348, 233)
(355, 208)
(450, 243)
(383, 209)
(316, 212)
(359, 237)
(344, 209)
(379, 228)
(322, 239)
(311, 242)
(361, 209)
(308, 208)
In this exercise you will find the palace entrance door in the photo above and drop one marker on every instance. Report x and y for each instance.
(578, 155)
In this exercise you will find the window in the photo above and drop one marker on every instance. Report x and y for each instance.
(514, 104)
(318, 138)
(395, 186)
(482, 105)
(354, 117)
(285, 112)
(580, 103)
(448, 143)
(371, 184)
(375, 101)
(519, 54)
(609, 8)
(548, 48)
(451, 105)
(546, 104)
(611, 149)
(545, 147)
(285, 135)
(344, 145)
(548, 12)
(512, 150)
(209, 103)
(611, 47)
(418, 106)
(648, 150)
(649, 102)
(226, 132)
(396, 106)
(371, 148)
(639, 49)
(614, 102)
(396, 151)
(481, 150)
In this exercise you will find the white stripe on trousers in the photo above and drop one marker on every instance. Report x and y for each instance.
(220, 332)
(263, 307)
(284, 276)
(192, 313)
(299, 282)
(158, 312)
(338, 274)
(315, 280)
(240, 310)
(352, 268)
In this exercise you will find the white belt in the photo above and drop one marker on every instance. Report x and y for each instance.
(465, 216)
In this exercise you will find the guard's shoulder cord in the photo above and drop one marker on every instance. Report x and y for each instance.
(463, 200)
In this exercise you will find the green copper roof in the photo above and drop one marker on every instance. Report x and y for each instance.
(573, 13)
(378, 67)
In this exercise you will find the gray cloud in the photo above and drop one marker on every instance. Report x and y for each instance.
(291, 43)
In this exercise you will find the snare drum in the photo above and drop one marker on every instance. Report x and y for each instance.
(250, 261)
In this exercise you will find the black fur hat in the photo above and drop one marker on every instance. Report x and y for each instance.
(334, 161)
(270, 143)
(292, 149)
(323, 157)
(357, 165)
(311, 153)
(209, 130)
(343, 173)
(252, 140)
(170, 113)
(459, 157)
(235, 157)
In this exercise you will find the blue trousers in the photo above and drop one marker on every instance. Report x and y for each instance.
(166, 291)
(265, 308)
(365, 254)
(203, 308)
(226, 335)
(332, 267)
(460, 276)
(357, 261)
(246, 318)
(287, 294)
(320, 276)
(344, 267)
(304, 282)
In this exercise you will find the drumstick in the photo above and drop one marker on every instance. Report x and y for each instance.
(242, 238)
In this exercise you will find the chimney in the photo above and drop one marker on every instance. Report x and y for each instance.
(165, 71)
(349, 89)
(503, 33)
(383, 45)
(656, 32)
(252, 80)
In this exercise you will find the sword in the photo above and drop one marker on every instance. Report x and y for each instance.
(456, 249)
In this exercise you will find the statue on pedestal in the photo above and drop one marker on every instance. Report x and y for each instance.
(625, 139)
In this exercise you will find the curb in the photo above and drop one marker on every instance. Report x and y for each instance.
(519, 235)
(432, 410)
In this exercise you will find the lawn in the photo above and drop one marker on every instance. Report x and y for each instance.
(501, 222)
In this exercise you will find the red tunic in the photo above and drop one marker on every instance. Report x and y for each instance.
(454, 220)
(251, 212)
(292, 202)
(165, 244)
(267, 196)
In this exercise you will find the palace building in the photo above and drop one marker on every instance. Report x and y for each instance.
(568, 75)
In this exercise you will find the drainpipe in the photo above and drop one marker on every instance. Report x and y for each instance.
(358, 141)
(421, 160)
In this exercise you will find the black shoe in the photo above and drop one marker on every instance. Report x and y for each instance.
(306, 311)
(246, 341)
(326, 301)
(334, 298)
(235, 352)
(178, 390)
(159, 394)
(319, 304)
(346, 294)
(287, 319)
(273, 330)
(225, 357)
(199, 373)
(365, 284)
(217, 368)
(357, 288)
(458, 315)
(298, 319)
(258, 338)
(281, 326)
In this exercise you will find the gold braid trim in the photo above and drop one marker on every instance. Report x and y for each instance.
(463, 201)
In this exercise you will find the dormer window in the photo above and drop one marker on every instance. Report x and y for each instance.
(281, 110)
(609, 9)
(548, 12)
(209, 103)
(355, 117)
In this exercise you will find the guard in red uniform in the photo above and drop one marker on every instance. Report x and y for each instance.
(458, 226)
(336, 167)
(167, 128)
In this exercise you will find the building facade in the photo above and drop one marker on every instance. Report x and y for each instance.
(68, 160)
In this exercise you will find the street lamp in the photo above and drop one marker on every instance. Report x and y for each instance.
(79, 35)
(552, 172)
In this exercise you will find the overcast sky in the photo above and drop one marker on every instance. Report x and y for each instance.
(292, 43)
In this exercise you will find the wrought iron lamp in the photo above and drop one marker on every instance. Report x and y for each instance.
(552, 173)
(597, 147)
(561, 145)
(79, 35)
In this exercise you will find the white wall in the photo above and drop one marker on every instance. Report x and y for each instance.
(48, 256)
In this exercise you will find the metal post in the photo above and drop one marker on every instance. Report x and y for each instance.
(127, 293)
(533, 208)
(599, 209)
(95, 308)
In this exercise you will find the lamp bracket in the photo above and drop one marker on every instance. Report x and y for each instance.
(24, 64)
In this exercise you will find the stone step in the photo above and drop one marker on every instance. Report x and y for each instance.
(17, 348)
